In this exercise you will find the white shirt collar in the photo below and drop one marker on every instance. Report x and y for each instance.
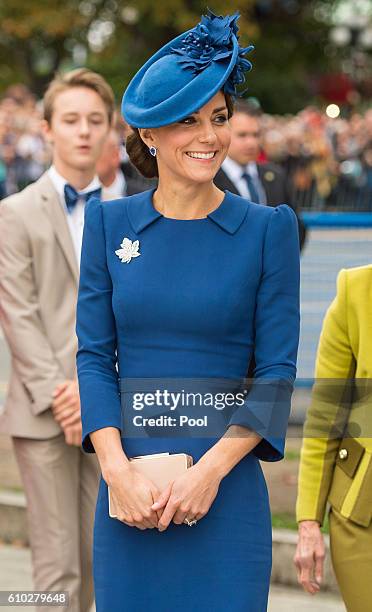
(59, 183)
(235, 170)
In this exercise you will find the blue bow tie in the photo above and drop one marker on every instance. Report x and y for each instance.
(72, 196)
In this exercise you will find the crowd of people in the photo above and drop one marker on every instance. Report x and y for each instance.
(327, 162)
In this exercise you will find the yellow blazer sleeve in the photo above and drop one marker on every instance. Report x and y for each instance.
(329, 408)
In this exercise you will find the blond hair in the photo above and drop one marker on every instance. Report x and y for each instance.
(81, 77)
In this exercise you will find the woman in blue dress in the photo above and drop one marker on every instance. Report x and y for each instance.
(186, 282)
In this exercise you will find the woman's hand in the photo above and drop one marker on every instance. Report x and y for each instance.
(309, 557)
(133, 495)
(190, 495)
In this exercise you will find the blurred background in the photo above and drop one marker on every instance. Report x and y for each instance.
(312, 86)
(312, 78)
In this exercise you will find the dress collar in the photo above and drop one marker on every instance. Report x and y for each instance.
(141, 211)
(228, 216)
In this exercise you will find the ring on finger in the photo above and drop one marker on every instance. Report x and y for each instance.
(190, 522)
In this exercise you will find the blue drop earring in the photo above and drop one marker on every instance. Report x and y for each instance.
(153, 151)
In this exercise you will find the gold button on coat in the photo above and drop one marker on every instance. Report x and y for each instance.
(343, 453)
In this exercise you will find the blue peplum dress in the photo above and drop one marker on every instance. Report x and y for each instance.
(193, 299)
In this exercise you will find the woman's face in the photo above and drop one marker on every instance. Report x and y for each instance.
(194, 148)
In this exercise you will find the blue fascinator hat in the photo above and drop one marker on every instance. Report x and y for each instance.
(186, 73)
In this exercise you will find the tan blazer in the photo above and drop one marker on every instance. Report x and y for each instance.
(38, 292)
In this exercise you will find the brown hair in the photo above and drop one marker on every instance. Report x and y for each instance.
(81, 77)
(248, 107)
(139, 154)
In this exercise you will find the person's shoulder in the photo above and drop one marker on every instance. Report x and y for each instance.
(282, 221)
(106, 210)
(14, 201)
(115, 212)
(271, 169)
(356, 278)
(279, 220)
(354, 286)
(244, 204)
(24, 199)
(258, 210)
(112, 207)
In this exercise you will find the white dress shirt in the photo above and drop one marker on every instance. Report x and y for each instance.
(234, 171)
(117, 189)
(75, 218)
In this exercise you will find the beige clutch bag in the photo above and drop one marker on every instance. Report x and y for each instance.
(161, 468)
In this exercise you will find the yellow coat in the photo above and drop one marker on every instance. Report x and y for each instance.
(336, 453)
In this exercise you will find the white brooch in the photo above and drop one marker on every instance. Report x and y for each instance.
(128, 250)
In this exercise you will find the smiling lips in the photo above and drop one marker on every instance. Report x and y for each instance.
(204, 156)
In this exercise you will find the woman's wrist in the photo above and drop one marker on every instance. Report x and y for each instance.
(216, 462)
(114, 467)
(308, 524)
(214, 465)
(229, 450)
(110, 453)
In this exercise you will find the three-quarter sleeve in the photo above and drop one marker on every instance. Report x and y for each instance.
(277, 321)
(96, 331)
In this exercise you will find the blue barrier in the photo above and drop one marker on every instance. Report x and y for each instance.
(337, 219)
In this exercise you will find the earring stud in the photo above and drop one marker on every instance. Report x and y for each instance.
(153, 151)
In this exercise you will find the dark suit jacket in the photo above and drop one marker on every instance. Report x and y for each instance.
(275, 185)
(136, 183)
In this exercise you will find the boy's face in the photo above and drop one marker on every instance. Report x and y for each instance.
(78, 129)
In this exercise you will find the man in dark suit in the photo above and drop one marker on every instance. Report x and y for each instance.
(118, 176)
(241, 174)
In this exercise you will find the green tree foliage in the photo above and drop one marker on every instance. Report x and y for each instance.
(291, 51)
(156, 23)
(34, 38)
(38, 37)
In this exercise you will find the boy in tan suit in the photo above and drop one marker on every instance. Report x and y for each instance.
(40, 241)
